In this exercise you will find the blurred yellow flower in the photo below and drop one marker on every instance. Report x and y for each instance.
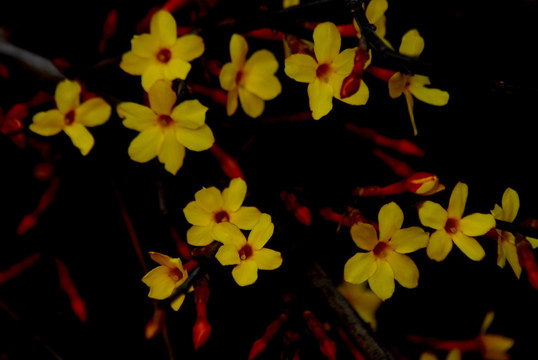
(493, 346)
(71, 116)
(451, 226)
(414, 85)
(161, 54)
(325, 72)
(166, 278)
(384, 260)
(165, 129)
(248, 255)
(454, 354)
(253, 80)
(211, 208)
(363, 300)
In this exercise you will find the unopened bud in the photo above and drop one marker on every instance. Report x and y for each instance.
(302, 213)
(423, 183)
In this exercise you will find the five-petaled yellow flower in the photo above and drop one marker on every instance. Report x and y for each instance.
(161, 54)
(165, 129)
(384, 260)
(451, 226)
(211, 208)
(166, 278)
(326, 72)
(71, 116)
(253, 80)
(248, 255)
(414, 85)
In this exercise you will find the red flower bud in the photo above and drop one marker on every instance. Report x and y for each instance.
(228, 164)
(155, 325)
(302, 213)
(423, 183)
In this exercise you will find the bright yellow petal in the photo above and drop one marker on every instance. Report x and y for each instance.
(146, 145)
(160, 284)
(320, 97)
(510, 253)
(358, 98)
(210, 199)
(390, 220)
(164, 27)
(177, 69)
(382, 281)
(404, 269)
(162, 259)
(152, 73)
(458, 198)
(343, 63)
(533, 242)
(137, 117)
(67, 96)
(439, 245)
(200, 235)
(232, 102)
(264, 86)
(498, 212)
(189, 114)
(238, 50)
(510, 205)
(261, 62)
(228, 76)
(246, 217)
(229, 234)
(234, 195)
(364, 236)
(409, 239)
(397, 84)
(261, 233)
(81, 137)
(301, 68)
(252, 105)
(195, 139)
(469, 246)
(93, 112)
(267, 259)
(196, 215)
(476, 224)
(376, 10)
(427, 95)
(162, 98)
(412, 44)
(432, 215)
(326, 42)
(177, 302)
(188, 47)
(47, 123)
(171, 153)
(134, 64)
(228, 255)
(245, 273)
(145, 46)
(410, 103)
(360, 267)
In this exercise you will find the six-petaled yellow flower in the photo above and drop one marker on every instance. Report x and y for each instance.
(414, 85)
(212, 208)
(251, 80)
(325, 72)
(248, 255)
(161, 54)
(71, 116)
(166, 278)
(385, 259)
(452, 227)
(165, 129)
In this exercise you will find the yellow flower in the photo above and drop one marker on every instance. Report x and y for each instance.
(451, 227)
(326, 72)
(71, 116)
(375, 13)
(166, 130)
(248, 255)
(161, 54)
(166, 278)
(363, 300)
(212, 208)
(252, 79)
(414, 85)
(384, 260)
(493, 346)
(454, 354)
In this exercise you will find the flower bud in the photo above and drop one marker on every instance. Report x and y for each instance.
(423, 183)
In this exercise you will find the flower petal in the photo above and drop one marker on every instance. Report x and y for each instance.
(188, 47)
(160, 284)
(412, 44)
(382, 281)
(267, 259)
(146, 145)
(162, 259)
(152, 73)
(261, 62)
(246, 217)
(360, 267)
(476, 224)
(238, 50)
(301, 68)
(195, 139)
(439, 245)
(390, 220)
(137, 117)
(196, 215)
(189, 114)
(200, 235)
(245, 273)
(261, 233)
(397, 84)
(210, 199)
(228, 76)
(162, 98)
(164, 27)
(172, 153)
(177, 302)
(145, 46)
(376, 10)
(404, 269)
(80, 136)
(234, 195)
(320, 96)
(510, 204)
(360, 97)
(232, 102)
(432, 215)
(327, 42)
(134, 64)
(228, 255)
(67, 96)
(469, 246)
(93, 112)
(177, 69)
(425, 94)
(364, 236)
(409, 239)
(264, 86)
(458, 198)
(47, 123)
(229, 234)
(510, 253)
(252, 105)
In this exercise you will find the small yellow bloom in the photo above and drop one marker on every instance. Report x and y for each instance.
(71, 116)
(493, 346)
(363, 300)
(166, 278)
(414, 85)
(212, 208)
(253, 80)
(326, 72)
(375, 13)
(451, 226)
(248, 255)
(384, 260)
(161, 54)
(166, 130)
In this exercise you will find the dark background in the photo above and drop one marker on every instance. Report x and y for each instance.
(483, 55)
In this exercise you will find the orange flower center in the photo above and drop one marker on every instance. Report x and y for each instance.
(165, 120)
(221, 216)
(175, 274)
(239, 77)
(322, 72)
(380, 250)
(245, 252)
(69, 118)
(164, 55)
(451, 226)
